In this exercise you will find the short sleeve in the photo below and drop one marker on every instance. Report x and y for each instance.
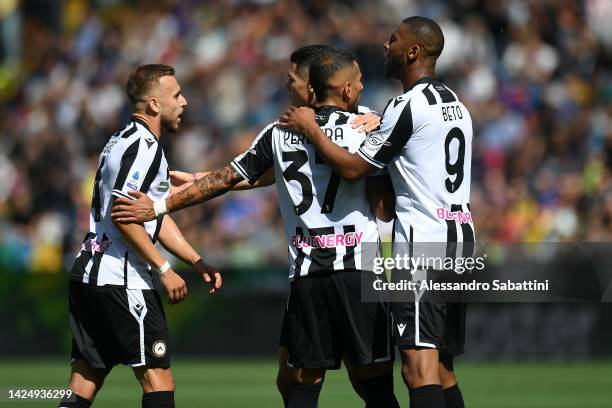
(140, 164)
(253, 163)
(395, 129)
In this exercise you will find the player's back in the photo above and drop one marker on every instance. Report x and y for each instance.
(327, 219)
(436, 163)
(426, 139)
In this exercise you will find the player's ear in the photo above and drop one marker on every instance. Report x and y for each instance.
(347, 92)
(310, 90)
(413, 53)
(312, 98)
(153, 104)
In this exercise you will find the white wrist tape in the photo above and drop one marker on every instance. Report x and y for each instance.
(164, 268)
(159, 207)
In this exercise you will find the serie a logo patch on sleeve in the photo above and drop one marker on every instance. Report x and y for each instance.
(134, 181)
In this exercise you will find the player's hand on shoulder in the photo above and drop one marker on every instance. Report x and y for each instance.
(297, 119)
(133, 211)
(366, 122)
(210, 275)
(175, 286)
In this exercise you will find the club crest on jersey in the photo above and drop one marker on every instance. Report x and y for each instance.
(159, 348)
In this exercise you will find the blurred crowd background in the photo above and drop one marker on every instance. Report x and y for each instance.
(536, 76)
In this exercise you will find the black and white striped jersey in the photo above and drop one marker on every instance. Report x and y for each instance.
(425, 138)
(131, 160)
(327, 220)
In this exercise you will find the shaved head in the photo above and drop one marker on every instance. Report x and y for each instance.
(428, 32)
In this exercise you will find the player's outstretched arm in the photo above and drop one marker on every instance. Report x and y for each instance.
(350, 166)
(138, 239)
(174, 241)
(143, 209)
(180, 180)
(267, 179)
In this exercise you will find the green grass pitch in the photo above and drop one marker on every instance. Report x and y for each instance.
(250, 383)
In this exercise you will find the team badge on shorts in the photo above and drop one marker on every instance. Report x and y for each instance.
(159, 348)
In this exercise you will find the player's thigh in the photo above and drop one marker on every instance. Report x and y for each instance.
(155, 379)
(86, 381)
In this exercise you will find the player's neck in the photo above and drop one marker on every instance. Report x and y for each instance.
(152, 124)
(333, 102)
(417, 73)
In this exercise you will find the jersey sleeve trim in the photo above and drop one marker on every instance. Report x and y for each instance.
(241, 171)
(369, 159)
(381, 146)
(253, 163)
(121, 194)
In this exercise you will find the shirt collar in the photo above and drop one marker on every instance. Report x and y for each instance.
(322, 113)
(143, 123)
(424, 80)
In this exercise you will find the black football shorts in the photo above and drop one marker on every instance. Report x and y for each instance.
(326, 319)
(284, 340)
(112, 325)
(425, 321)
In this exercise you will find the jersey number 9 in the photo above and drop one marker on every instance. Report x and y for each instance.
(456, 168)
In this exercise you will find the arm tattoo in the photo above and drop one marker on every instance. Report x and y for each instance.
(205, 188)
